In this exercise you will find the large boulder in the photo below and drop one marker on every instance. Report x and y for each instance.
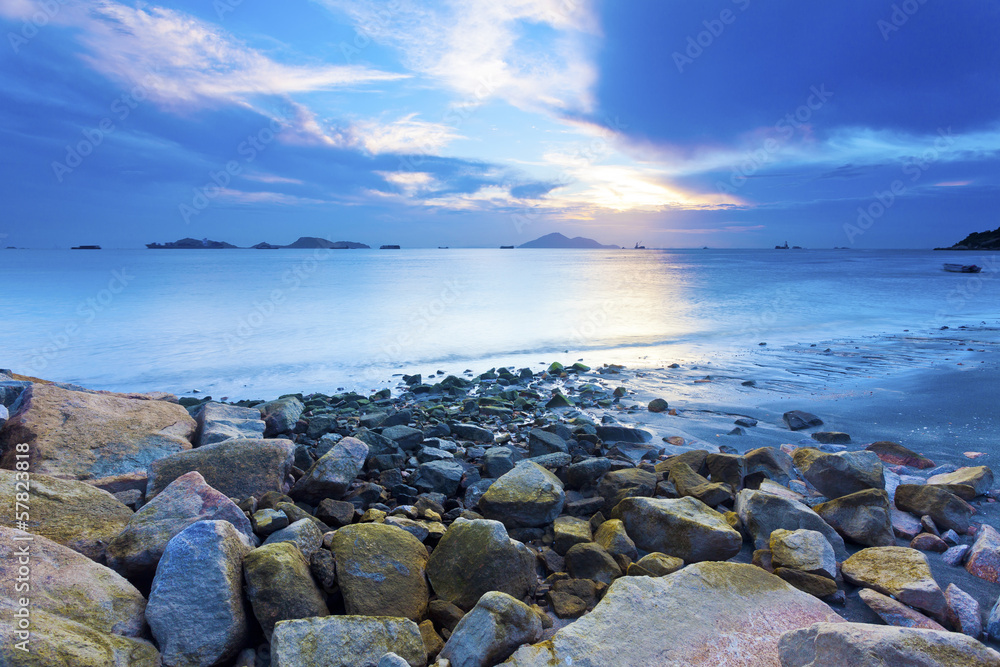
(333, 472)
(542, 442)
(895, 454)
(280, 586)
(836, 475)
(617, 485)
(381, 570)
(475, 557)
(762, 513)
(864, 517)
(137, 549)
(81, 435)
(238, 468)
(346, 641)
(894, 612)
(980, 478)
(74, 514)
(80, 613)
(494, 629)
(864, 645)
(218, 422)
(684, 527)
(592, 561)
(280, 416)
(900, 572)
(706, 614)
(527, 496)
(689, 483)
(196, 608)
(304, 533)
(984, 556)
(947, 509)
(614, 538)
(803, 550)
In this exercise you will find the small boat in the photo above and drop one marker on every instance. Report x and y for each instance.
(639, 247)
(506, 247)
(442, 247)
(963, 268)
(782, 247)
(388, 247)
(86, 247)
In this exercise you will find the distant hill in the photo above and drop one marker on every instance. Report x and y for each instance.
(315, 242)
(978, 241)
(557, 240)
(191, 244)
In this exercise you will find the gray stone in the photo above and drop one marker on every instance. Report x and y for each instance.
(491, 632)
(586, 473)
(863, 517)
(980, 478)
(836, 475)
(268, 521)
(963, 612)
(428, 454)
(797, 420)
(684, 527)
(900, 572)
(345, 641)
(803, 550)
(330, 476)
(280, 586)
(612, 536)
(196, 609)
(439, 477)
(542, 442)
(623, 434)
(498, 461)
(472, 432)
(984, 556)
(304, 533)
(218, 422)
(762, 513)
(280, 416)
(617, 485)
(569, 531)
(527, 496)
(945, 508)
(406, 438)
(592, 561)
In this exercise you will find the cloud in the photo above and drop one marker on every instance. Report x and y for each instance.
(406, 135)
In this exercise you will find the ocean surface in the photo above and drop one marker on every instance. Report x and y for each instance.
(247, 323)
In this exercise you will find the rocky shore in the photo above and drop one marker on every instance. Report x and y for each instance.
(516, 517)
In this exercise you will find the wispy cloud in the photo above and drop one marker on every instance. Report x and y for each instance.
(406, 135)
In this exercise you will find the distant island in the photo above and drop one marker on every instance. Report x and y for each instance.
(557, 240)
(307, 242)
(978, 241)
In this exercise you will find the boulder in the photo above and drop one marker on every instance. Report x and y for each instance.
(863, 517)
(406, 438)
(623, 434)
(612, 536)
(816, 585)
(527, 496)
(984, 556)
(498, 461)
(491, 632)
(303, 533)
(897, 455)
(864, 645)
(280, 416)
(689, 483)
(896, 613)
(345, 641)
(218, 422)
(381, 570)
(237, 468)
(79, 435)
(542, 442)
(980, 478)
(797, 420)
(81, 613)
(684, 527)
(659, 565)
(706, 614)
(945, 508)
(280, 586)
(836, 475)
(803, 550)
(617, 485)
(963, 612)
(762, 513)
(767, 463)
(831, 437)
(137, 549)
(475, 557)
(333, 472)
(476, 434)
(74, 514)
(569, 531)
(196, 608)
(592, 561)
(900, 572)
(439, 477)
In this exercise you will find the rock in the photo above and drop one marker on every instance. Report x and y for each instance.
(381, 571)
(683, 527)
(659, 565)
(280, 586)
(617, 485)
(836, 475)
(831, 437)
(897, 455)
(689, 483)
(763, 513)
(904, 525)
(963, 612)
(803, 550)
(863, 517)
(565, 605)
(900, 572)
(392, 660)
(444, 614)
(928, 542)
(864, 645)
(947, 509)
(236, 468)
(498, 461)
(527, 496)
(432, 640)
(81, 613)
(592, 561)
(984, 556)
(406, 438)
(704, 615)
(612, 536)
(188, 499)
(767, 463)
(78, 435)
(345, 641)
(335, 513)
(658, 405)
(730, 469)
(472, 432)
(797, 420)
(196, 609)
(333, 472)
(266, 522)
(218, 422)
(304, 533)
(993, 622)
(955, 555)
(623, 434)
(896, 613)
(280, 416)
(475, 557)
(323, 569)
(542, 442)
(814, 584)
(439, 477)
(569, 531)
(980, 478)
(74, 514)
(428, 454)
(491, 632)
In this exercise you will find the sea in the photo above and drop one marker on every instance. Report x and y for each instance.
(260, 323)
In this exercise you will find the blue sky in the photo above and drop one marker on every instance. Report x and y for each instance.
(727, 123)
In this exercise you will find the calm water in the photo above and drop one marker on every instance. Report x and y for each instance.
(259, 323)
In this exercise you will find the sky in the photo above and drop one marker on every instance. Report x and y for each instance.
(688, 123)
